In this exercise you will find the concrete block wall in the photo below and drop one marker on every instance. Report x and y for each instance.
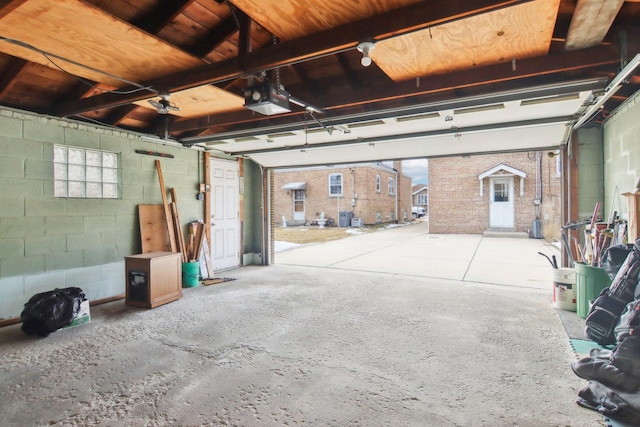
(48, 242)
(621, 155)
(456, 205)
(590, 160)
(358, 180)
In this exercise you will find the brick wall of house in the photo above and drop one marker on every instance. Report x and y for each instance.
(455, 202)
(359, 185)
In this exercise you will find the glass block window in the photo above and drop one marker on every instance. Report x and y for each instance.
(335, 184)
(84, 173)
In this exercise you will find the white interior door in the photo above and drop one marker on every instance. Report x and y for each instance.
(225, 217)
(501, 213)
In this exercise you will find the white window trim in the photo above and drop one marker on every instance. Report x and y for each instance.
(378, 184)
(341, 185)
(392, 186)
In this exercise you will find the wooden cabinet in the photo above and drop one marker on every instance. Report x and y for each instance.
(153, 279)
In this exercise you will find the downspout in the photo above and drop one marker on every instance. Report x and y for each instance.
(353, 177)
(538, 200)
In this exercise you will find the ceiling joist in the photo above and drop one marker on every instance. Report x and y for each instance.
(394, 23)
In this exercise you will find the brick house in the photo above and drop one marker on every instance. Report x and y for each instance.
(420, 196)
(374, 192)
(505, 192)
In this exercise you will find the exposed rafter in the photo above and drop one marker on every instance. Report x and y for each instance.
(394, 23)
(335, 100)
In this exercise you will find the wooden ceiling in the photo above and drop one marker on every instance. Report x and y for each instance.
(103, 60)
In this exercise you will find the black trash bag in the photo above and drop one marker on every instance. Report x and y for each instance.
(617, 405)
(613, 258)
(49, 311)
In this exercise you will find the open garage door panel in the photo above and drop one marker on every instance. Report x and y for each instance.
(531, 119)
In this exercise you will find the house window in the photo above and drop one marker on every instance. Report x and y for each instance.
(392, 187)
(335, 184)
(378, 217)
(83, 173)
(378, 185)
(558, 166)
(423, 199)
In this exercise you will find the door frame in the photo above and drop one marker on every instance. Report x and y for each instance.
(509, 180)
(293, 204)
(238, 223)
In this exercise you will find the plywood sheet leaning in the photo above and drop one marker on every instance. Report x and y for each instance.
(153, 230)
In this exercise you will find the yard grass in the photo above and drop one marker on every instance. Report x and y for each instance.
(305, 235)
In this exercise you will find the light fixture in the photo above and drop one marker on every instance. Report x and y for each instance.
(366, 48)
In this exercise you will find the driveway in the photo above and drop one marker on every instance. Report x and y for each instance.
(412, 251)
(393, 328)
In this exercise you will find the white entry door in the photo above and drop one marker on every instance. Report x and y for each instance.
(298, 205)
(501, 203)
(225, 215)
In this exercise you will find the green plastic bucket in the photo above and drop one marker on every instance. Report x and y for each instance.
(190, 274)
(590, 281)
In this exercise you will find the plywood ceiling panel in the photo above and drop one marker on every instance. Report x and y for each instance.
(517, 32)
(202, 101)
(84, 34)
(291, 19)
(76, 30)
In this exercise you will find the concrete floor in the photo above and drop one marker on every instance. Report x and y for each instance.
(392, 328)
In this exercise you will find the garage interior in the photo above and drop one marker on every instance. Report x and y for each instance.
(197, 84)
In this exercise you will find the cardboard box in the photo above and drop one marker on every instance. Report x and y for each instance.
(83, 316)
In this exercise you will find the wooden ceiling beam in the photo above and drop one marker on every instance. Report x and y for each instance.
(77, 92)
(311, 85)
(244, 38)
(397, 22)
(352, 78)
(8, 6)
(161, 16)
(8, 77)
(116, 116)
(336, 99)
(205, 45)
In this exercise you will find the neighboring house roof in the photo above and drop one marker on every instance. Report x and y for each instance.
(418, 188)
